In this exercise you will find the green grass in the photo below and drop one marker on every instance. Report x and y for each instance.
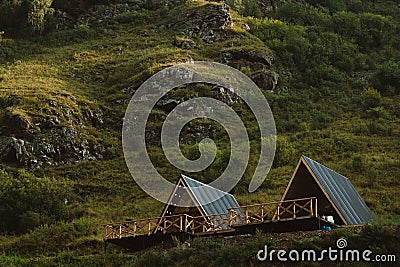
(65, 74)
(238, 251)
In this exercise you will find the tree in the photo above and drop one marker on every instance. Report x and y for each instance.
(376, 31)
(304, 14)
(21, 13)
(37, 10)
(346, 24)
(251, 8)
(387, 78)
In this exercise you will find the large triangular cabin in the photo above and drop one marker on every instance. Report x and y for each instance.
(336, 196)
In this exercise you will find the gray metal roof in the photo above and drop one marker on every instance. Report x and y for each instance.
(204, 193)
(342, 192)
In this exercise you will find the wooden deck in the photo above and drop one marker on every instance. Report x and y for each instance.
(290, 215)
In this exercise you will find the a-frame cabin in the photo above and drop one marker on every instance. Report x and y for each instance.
(336, 196)
(197, 199)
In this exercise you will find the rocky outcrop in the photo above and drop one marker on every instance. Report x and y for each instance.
(18, 126)
(208, 22)
(99, 13)
(258, 62)
(266, 79)
(227, 95)
(241, 56)
(14, 151)
(61, 145)
(58, 134)
(95, 13)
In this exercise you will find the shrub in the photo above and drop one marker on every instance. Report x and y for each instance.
(358, 162)
(380, 127)
(235, 5)
(304, 14)
(251, 8)
(346, 24)
(16, 14)
(376, 31)
(289, 42)
(387, 78)
(28, 201)
(378, 112)
(285, 152)
(331, 49)
(332, 5)
(371, 98)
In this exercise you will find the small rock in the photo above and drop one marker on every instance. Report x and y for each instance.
(18, 125)
(184, 43)
(245, 27)
(231, 56)
(266, 79)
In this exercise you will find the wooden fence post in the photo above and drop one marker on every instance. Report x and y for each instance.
(294, 209)
(148, 227)
(262, 213)
(279, 217)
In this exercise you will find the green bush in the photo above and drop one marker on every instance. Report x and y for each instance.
(387, 78)
(378, 112)
(251, 8)
(346, 24)
(380, 127)
(289, 42)
(369, 31)
(377, 31)
(304, 14)
(332, 5)
(285, 152)
(377, 237)
(27, 201)
(235, 5)
(324, 75)
(16, 14)
(371, 98)
(48, 239)
(331, 49)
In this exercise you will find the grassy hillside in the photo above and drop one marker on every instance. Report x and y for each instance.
(63, 94)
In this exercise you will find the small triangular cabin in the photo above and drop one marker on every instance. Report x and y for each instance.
(196, 199)
(336, 196)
